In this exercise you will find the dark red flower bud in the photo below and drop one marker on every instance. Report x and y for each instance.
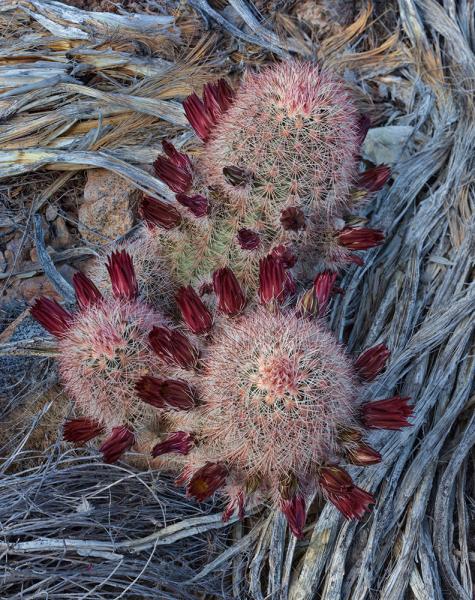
(206, 481)
(361, 238)
(80, 431)
(363, 455)
(292, 218)
(166, 393)
(339, 488)
(198, 116)
(236, 176)
(52, 316)
(87, 293)
(122, 275)
(155, 212)
(180, 159)
(237, 502)
(217, 98)
(178, 178)
(391, 413)
(197, 204)
(248, 239)
(173, 347)
(285, 255)
(324, 286)
(294, 511)
(210, 101)
(193, 311)
(374, 179)
(371, 362)
(180, 442)
(231, 298)
(272, 279)
(120, 440)
(224, 94)
(364, 123)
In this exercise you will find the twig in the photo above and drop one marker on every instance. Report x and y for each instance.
(58, 281)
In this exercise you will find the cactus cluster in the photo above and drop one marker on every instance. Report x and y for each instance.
(278, 165)
(250, 393)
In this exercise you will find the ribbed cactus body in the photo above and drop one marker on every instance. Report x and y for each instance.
(278, 166)
(276, 393)
(103, 355)
(293, 130)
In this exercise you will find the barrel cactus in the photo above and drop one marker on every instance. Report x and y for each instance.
(279, 401)
(103, 351)
(278, 165)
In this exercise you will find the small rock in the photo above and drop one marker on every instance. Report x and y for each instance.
(33, 287)
(15, 252)
(60, 236)
(384, 145)
(108, 206)
(51, 213)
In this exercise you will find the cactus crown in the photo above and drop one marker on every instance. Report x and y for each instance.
(293, 132)
(277, 391)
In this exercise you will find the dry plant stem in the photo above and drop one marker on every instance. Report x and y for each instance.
(234, 550)
(425, 584)
(263, 37)
(56, 16)
(167, 535)
(276, 554)
(60, 284)
(258, 558)
(32, 159)
(74, 499)
(62, 256)
(443, 513)
(32, 347)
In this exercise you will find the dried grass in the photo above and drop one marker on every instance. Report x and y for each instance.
(72, 527)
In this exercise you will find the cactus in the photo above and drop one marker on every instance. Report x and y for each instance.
(104, 350)
(279, 401)
(256, 400)
(155, 287)
(278, 166)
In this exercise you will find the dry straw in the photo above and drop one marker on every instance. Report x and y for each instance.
(72, 527)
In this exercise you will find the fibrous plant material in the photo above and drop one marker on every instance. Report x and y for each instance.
(277, 167)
